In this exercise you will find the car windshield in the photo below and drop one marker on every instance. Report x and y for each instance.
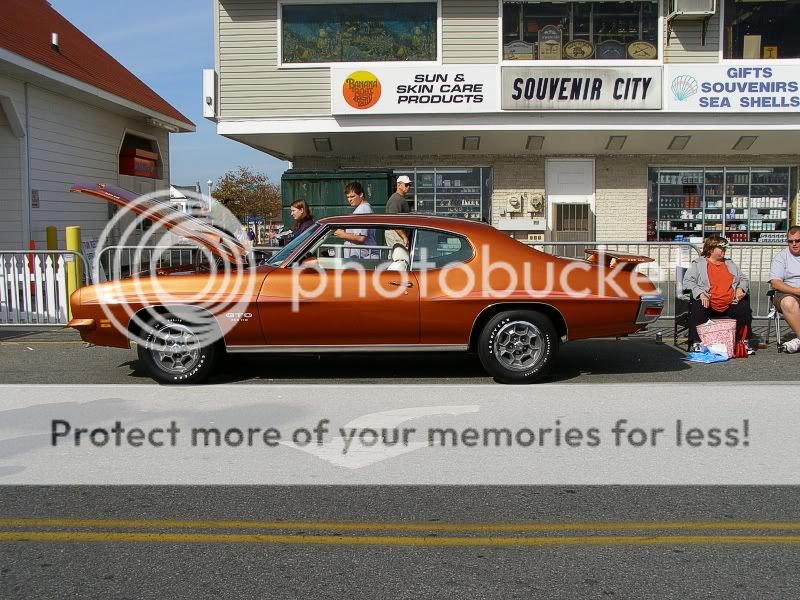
(296, 242)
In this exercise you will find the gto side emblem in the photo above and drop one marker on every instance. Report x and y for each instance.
(239, 316)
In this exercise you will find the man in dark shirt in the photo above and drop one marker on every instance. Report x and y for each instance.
(397, 203)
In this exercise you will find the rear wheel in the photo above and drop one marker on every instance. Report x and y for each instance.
(173, 352)
(518, 346)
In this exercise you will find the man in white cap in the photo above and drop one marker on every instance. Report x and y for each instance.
(397, 203)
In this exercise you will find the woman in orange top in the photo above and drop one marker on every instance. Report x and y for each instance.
(719, 288)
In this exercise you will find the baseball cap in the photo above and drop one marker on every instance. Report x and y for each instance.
(403, 179)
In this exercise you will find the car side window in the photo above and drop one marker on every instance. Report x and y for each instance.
(360, 247)
(437, 249)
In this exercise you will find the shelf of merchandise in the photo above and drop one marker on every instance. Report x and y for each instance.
(435, 193)
(626, 26)
(738, 202)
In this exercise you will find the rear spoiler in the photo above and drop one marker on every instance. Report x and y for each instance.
(609, 258)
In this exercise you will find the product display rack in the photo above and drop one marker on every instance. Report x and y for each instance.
(741, 203)
(450, 192)
(625, 23)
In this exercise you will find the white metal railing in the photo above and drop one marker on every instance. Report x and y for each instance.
(752, 257)
(33, 286)
(120, 261)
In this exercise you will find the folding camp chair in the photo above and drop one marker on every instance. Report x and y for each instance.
(775, 316)
(683, 304)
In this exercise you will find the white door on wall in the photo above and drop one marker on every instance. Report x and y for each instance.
(569, 187)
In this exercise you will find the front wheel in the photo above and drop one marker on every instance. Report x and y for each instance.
(518, 346)
(173, 352)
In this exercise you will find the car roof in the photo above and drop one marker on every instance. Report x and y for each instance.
(411, 220)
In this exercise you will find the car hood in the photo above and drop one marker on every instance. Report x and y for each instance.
(215, 240)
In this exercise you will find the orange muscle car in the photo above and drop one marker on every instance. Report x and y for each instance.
(461, 286)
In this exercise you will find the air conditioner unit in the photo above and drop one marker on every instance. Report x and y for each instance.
(691, 9)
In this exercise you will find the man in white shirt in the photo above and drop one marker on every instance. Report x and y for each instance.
(357, 237)
(784, 276)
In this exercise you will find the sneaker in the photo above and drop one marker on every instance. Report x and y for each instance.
(749, 348)
(697, 347)
(792, 346)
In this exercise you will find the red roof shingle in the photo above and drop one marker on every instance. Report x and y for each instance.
(26, 27)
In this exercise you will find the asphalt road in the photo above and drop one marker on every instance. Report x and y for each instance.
(397, 542)
(566, 560)
(61, 358)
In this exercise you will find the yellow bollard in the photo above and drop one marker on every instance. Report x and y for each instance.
(52, 238)
(74, 266)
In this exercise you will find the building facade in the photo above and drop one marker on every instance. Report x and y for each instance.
(68, 113)
(661, 120)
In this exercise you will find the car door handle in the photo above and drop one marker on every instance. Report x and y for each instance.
(406, 284)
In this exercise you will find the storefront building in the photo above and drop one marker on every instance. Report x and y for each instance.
(566, 121)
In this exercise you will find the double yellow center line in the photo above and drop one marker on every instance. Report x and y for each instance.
(401, 534)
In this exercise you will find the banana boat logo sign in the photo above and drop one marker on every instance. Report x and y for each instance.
(420, 90)
(361, 90)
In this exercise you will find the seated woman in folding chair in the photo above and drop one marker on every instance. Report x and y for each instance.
(719, 289)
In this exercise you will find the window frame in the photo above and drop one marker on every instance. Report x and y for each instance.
(767, 62)
(656, 62)
(372, 64)
(413, 268)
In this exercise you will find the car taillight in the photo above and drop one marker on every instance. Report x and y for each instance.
(650, 308)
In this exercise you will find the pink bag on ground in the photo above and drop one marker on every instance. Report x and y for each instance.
(720, 331)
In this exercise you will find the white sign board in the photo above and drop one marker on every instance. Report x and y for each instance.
(581, 88)
(726, 88)
(89, 246)
(417, 90)
(522, 224)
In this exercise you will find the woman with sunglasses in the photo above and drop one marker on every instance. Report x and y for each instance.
(719, 289)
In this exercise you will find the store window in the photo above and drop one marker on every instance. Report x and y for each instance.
(762, 30)
(461, 192)
(580, 30)
(745, 204)
(326, 33)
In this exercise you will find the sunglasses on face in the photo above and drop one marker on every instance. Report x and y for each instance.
(797, 241)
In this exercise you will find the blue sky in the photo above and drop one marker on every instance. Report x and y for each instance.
(167, 44)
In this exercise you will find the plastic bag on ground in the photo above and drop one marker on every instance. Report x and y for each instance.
(710, 354)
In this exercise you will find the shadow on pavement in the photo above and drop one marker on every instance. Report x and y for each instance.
(598, 357)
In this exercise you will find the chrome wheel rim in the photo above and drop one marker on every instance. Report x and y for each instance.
(175, 349)
(518, 345)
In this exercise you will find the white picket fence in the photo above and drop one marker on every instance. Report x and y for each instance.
(33, 286)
